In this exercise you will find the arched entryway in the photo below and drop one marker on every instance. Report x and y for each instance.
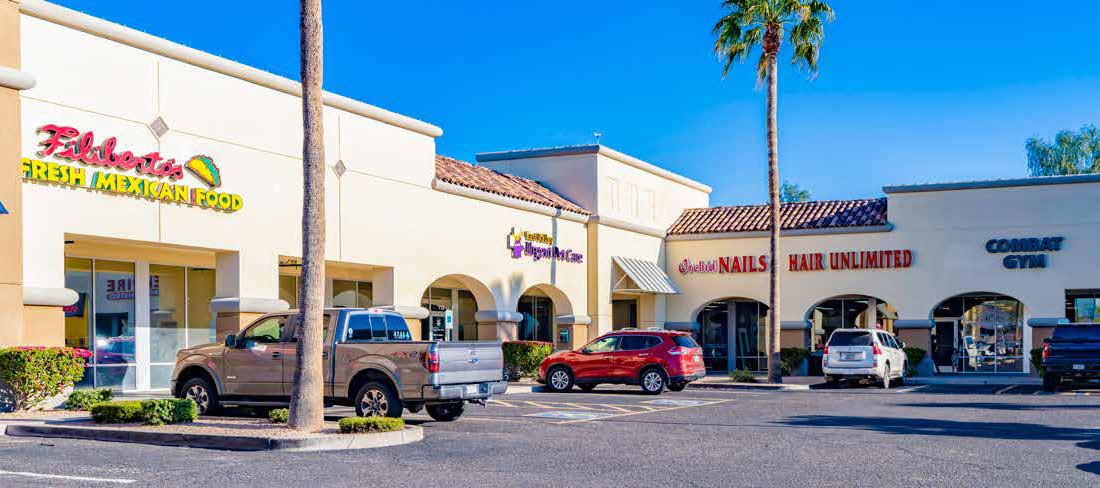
(539, 305)
(848, 312)
(452, 303)
(980, 332)
(733, 334)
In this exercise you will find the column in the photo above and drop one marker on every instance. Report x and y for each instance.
(247, 286)
(11, 220)
(142, 335)
(918, 333)
(498, 324)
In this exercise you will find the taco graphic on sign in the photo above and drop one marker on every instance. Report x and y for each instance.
(204, 168)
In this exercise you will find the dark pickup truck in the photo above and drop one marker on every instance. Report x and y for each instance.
(1072, 353)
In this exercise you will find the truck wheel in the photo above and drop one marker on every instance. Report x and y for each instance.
(376, 398)
(446, 412)
(1050, 382)
(653, 381)
(202, 393)
(559, 379)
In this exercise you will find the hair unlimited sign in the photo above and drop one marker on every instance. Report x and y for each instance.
(814, 261)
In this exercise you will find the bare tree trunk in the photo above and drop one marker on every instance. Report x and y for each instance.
(306, 400)
(774, 372)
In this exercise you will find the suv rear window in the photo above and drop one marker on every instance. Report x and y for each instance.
(850, 338)
(1077, 333)
(684, 341)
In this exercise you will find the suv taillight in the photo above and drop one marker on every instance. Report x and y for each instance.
(875, 350)
(431, 360)
(825, 351)
(676, 351)
(1046, 350)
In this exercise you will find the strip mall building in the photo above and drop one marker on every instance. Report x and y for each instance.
(151, 200)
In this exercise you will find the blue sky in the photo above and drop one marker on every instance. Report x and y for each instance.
(907, 92)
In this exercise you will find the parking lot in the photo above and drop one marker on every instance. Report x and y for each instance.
(911, 436)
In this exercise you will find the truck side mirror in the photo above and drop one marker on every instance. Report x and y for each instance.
(230, 341)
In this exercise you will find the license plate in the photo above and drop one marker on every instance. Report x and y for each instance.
(850, 356)
(471, 389)
(1078, 367)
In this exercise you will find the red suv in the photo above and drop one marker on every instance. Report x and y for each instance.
(652, 359)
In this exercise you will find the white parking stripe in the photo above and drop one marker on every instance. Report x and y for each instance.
(998, 392)
(911, 388)
(63, 477)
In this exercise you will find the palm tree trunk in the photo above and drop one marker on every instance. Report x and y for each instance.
(774, 373)
(306, 400)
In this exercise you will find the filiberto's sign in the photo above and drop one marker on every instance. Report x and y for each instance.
(1036, 246)
(69, 144)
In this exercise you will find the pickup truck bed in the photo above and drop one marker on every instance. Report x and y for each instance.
(1072, 353)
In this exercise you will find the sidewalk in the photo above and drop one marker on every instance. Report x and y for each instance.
(805, 383)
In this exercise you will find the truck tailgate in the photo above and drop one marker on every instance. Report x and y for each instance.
(469, 362)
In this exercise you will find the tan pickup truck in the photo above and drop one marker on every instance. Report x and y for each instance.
(370, 362)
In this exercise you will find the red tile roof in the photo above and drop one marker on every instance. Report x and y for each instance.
(465, 174)
(806, 215)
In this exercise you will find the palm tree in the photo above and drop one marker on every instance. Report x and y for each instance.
(306, 400)
(747, 24)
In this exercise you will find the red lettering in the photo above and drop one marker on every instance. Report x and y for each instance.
(57, 138)
(819, 261)
(792, 263)
(763, 263)
(897, 258)
(907, 258)
(70, 144)
(724, 264)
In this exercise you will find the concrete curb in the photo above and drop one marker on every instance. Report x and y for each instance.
(410, 434)
(520, 388)
(748, 386)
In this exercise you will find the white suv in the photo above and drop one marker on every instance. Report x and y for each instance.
(864, 354)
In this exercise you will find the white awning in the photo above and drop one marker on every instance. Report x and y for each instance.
(641, 276)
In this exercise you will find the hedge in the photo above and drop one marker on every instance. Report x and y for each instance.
(85, 399)
(37, 373)
(1037, 360)
(522, 358)
(915, 355)
(279, 415)
(362, 425)
(791, 358)
(742, 376)
(151, 412)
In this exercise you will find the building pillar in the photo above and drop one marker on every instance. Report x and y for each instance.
(794, 333)
(247, 286)
(498, 324)
(12, 323)
(918, 333)
(574, 329)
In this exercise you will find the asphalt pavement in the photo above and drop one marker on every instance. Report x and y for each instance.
(913, 436)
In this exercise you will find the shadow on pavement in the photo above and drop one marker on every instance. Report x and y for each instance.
(1090, 438)
(1000, 406)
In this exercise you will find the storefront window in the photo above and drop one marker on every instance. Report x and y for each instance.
(538, 315)
(167, 313)
(850, 313)
(464, 316)
(979, 333)
(1083, 305)
(733, 335)
(624, 314)
(288, 289)
(201, 286)
(351, 294)
(439, 304)
(114, 325)
(78, 316)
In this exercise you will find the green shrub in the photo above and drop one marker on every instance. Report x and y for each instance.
(742, 376)
(84, 399)
(152, 412)
(361, 425)
(914, 355)
(1037, 360)
(522, 358)
(279, 415)
(118, 411)
(38, 373)
(791, 358)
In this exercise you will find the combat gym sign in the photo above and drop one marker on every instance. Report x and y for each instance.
(1036, 247)
(156, 178)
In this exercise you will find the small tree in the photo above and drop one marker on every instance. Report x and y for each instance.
(791, 193)
(1069, 154)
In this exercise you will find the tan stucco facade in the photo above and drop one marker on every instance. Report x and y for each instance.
(12, 325)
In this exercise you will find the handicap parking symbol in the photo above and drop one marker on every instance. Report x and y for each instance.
(3, 209)
(676, 403)
(566, 415)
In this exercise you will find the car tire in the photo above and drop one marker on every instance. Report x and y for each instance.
(446, 412)
(677, 386)
(653, 381)
(202, 393)
(376, 398)
(559, 379)
(886, 377)
(1050, 382)
(588, 387)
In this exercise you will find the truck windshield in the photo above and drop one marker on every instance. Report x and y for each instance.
(1077, 333)
(850, 338)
